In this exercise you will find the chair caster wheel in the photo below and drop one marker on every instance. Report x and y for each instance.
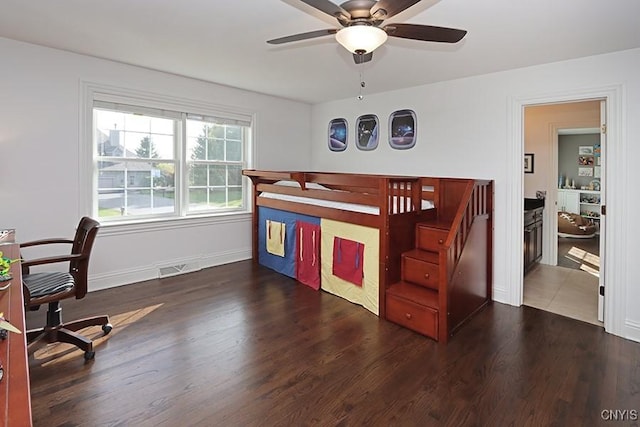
(107, 328)
(89, 355)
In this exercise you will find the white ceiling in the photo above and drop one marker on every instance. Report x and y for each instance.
(224, 41)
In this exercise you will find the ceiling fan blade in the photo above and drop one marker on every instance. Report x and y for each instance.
(426, 33)
(385, 9)
(329, 8)
(302, 36)
(361, 58)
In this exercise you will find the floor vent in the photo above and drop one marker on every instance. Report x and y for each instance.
(173, 270)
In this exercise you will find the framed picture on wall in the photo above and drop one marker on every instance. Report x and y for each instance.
(338, 135)
(528, 163)
(367, 129)
(585, 171)
(585, 160)
(585, 150)
(402, 129)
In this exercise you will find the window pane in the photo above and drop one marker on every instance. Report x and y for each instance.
(235, 175)
(196, 128)
(217, 175)
(163, 200)
(234, 151)
(197, 198)
(215, 149)
(234, 132)
(218, 197)
(235, 197)
(163, 175)
(197, 148)
(110, 203)
(108, 143)
(139, 178)
(165, 145)
(135, 143)
(196, 140)
(110, 176)
(198, 175)
(217, 131)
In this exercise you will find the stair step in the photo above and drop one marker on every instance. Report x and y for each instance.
(438, 224)
(421, 268)
(422, 255)
(430, 238)
(418, 294)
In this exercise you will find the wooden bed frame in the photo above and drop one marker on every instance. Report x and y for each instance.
(456, 234)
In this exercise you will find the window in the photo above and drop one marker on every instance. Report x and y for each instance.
(152, 163)
(215, 162)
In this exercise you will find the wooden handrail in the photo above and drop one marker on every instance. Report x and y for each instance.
(475, 204)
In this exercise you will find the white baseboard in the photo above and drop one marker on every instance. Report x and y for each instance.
(632, 330)
(149, 272)
(500, 295)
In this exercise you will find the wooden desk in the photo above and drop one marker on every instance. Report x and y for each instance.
(15, 395)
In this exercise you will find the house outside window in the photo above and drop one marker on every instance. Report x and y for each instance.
(151, 164)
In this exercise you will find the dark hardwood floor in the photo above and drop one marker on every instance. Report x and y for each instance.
(240, 345)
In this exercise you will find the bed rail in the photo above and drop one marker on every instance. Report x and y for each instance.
(390, 194)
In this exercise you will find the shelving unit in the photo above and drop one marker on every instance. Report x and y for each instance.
(583, 202)
(586, 203)
(590, 204)
(568, 201)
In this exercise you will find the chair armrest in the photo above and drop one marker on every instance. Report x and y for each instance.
(50, 260)
(44, 242)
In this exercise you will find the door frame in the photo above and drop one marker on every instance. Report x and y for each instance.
(615, 273)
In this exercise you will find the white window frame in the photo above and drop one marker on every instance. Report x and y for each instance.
(88, 176)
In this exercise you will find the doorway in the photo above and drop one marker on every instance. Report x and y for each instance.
(566, 138)
(579, 199)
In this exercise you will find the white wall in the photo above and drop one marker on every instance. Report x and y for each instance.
(40, 192)
(542, 123)
(466, 128)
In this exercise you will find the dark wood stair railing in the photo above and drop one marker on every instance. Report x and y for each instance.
(439, 287)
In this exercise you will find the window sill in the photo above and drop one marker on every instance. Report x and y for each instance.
(163, 224)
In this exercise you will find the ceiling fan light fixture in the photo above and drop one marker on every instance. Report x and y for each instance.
(361, 38)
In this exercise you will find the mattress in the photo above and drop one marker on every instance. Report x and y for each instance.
(352, 207)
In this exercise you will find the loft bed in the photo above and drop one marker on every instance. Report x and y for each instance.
(423, 245)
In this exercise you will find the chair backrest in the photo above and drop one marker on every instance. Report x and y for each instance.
(82, 245)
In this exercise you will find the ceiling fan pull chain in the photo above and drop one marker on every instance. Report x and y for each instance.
(362, 83)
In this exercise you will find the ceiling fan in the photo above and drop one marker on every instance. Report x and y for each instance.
(362, 32)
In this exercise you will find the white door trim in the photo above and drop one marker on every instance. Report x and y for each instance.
(615, 274)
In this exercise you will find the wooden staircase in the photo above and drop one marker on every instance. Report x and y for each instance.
(446, 277)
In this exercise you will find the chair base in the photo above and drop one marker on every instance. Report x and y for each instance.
(66, 333)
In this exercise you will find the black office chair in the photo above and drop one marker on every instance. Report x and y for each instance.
(52, 287)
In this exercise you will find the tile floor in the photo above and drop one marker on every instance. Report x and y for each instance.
(571, 288)
(565, 291)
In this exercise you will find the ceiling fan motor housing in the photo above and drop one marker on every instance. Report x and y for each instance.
(359, 9)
